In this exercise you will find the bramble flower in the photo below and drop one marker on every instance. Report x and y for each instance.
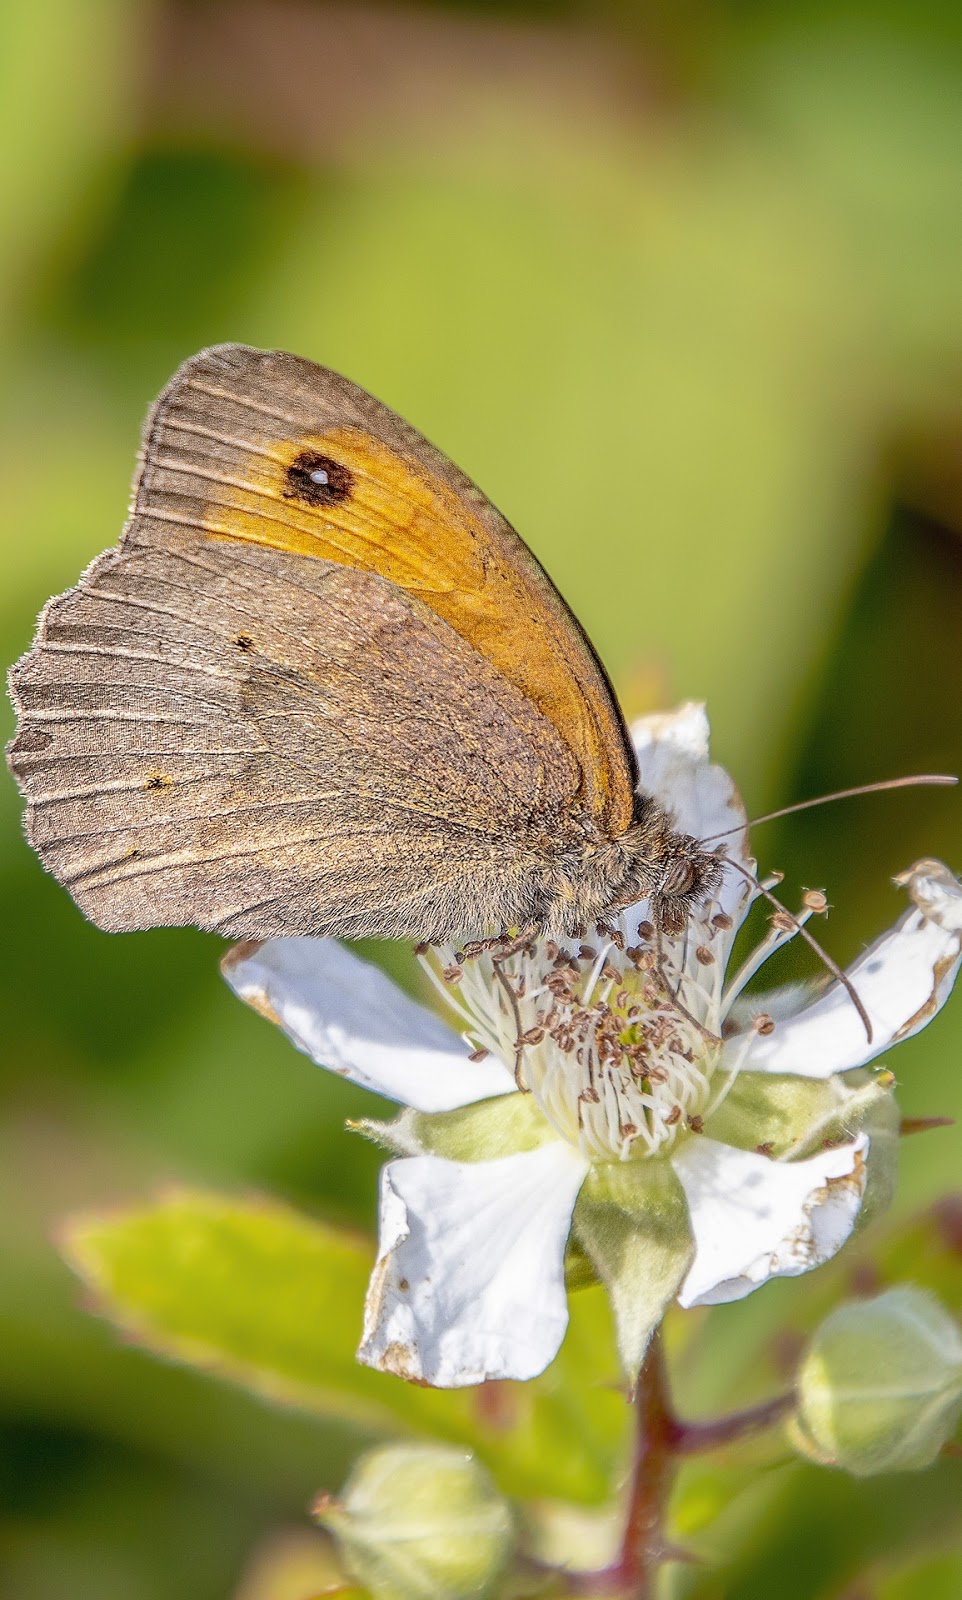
(614, 1106)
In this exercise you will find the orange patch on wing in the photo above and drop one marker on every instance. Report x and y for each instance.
(397, 520)
(394, 520)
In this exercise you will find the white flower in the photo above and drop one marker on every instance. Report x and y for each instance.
(614, 1100)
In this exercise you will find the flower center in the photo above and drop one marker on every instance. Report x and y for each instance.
(618, 1062)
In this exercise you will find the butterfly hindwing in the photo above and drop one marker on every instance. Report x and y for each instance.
(264, 743)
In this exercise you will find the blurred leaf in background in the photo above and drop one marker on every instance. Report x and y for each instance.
(680, 289)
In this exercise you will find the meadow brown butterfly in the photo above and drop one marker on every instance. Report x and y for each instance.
(322, 687)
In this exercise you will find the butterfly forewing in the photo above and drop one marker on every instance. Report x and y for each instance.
(267, 448)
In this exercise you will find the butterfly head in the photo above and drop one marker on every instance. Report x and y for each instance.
(689, 875)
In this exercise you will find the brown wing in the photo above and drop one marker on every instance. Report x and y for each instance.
(269, 449)
(263, 742)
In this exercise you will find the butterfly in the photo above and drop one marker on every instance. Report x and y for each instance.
(322, 687)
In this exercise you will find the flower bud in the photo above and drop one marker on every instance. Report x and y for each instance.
(421, 1522)
(880, 1386)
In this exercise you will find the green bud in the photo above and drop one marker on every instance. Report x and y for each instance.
(421, 1522)
(880, 1386)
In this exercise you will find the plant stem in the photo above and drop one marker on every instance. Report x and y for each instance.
(652, 1476)
(661, 1443)
(693, 1438)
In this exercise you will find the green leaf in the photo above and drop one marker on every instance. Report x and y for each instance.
(251, 1291)
(632, 1219)
(248, 1289)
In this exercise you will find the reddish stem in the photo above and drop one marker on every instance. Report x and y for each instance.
(696, 1437)
(652, 1475)
(662, 1441)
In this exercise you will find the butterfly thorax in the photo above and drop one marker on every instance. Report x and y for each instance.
(590, 876)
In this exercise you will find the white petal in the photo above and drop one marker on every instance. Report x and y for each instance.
(347, 1015)
(754, 1219)
(902, 980)
(469, 1282)
(936, 891)
(672, 750)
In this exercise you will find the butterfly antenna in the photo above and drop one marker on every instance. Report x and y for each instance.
(810, 939)
(839, 794)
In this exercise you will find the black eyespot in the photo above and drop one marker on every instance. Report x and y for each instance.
(318, 480)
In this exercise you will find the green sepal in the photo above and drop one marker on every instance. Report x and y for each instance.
(882, 1121)
(795, 1117)
(504, 1126)
(580, 1270)
(399, 1136)
(632, 1221)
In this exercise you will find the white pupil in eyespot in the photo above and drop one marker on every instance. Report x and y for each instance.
(319, 476)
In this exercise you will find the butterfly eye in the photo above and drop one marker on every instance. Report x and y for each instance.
(679, 877)
(318, 480)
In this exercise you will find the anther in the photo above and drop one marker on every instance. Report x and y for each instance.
(763, 1024)
(422, 948)
(704, 956)
(816, 901)
(783, 922)
(452, 974)
(722, 921)
(479, 1055)
(587, 952)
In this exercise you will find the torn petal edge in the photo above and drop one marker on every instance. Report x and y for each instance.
(755, 1219)
(469, 1280)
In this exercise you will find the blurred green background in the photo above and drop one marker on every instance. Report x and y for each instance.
(682, 289)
